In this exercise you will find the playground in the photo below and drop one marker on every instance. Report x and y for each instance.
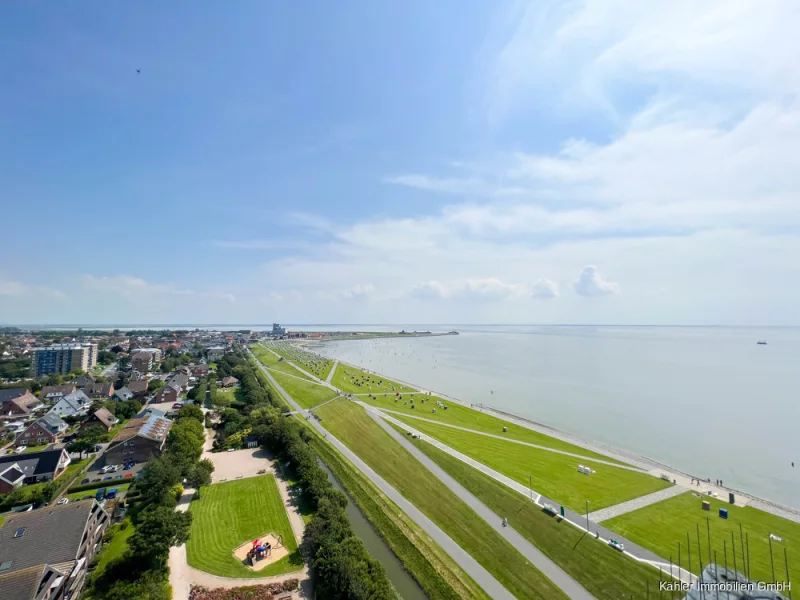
(228, 517)
(261, 552)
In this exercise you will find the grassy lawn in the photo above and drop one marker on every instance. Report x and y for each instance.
(605, 573)
(463, 416)
(345, 378)
(438, 575)
(117, 546)
(232, 394)
(348, 421)
(661, 526)
(305, 393)
(553, 475)
(110, 485)
(274, 363)
(230, 514)
(116, 429)
(29, 449)
(313, 363)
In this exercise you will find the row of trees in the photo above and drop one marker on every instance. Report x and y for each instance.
(141, 573)
(343, 567)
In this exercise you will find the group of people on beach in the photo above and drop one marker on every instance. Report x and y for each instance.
(696, 481)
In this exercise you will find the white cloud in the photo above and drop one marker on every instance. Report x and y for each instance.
(485, 289)
(544, 288)
(590, 283)
(361, 291)
(138, 289)
(18, 289)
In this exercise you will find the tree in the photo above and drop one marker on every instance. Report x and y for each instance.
(159, 528)
(190, 411)
(80, 446)
(154, 385)
(156, 480)
(105, 357)
(200, 475)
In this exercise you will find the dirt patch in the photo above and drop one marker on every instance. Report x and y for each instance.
(277, 552)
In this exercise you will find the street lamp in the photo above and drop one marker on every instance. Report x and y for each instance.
(587, 516)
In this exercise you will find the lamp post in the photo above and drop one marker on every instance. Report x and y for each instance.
(587, 516)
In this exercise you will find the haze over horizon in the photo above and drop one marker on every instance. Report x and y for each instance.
(552, 162)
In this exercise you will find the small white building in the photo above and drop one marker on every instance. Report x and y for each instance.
(76, 404)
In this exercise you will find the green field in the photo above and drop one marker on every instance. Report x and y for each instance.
(117, 546)
(438, 575)
(551, 474)
(350, 423)
(605, 573)
(345, 378)
(463, 416)
(230, 514)
(661, 526)
(305, 393)
(317, 365)
(274, 363)
(232, 394)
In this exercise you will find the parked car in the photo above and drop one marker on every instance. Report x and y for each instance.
(128, 474)
(117, 476)
(95, 480)
(106, 469)
(20, 449)
(177, 406)
(107, 478)
(111, 494)
(84, 481)
(100, 494)
(63, 501)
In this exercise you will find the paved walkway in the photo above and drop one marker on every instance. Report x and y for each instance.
(507, 439)
(333, 370)
(481, 576)
(633, 550)
(610, 512)
(550, 569)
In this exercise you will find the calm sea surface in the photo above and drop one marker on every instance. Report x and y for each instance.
(708, 401)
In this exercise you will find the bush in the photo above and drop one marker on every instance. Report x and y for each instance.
(252, 592)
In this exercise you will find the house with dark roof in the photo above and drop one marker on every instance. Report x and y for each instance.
(84, 380)
(100, 390)
(76, 404)
(55, 392)
(180, 379)
(17, 403)
(229, 381)
(45, 553)
(138, 387)
(123, 394)
(47, 430)
(169, 393)
(142, 438)
(33, 467)
(101, 416)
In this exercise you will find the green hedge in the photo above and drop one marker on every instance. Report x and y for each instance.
(98, 484)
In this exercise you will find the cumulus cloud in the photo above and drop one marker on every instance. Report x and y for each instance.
(544, 288)
(486, 289)
(590, 283)
(12, 288)
(137, 288)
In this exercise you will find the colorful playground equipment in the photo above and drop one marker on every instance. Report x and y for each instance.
(261, 550)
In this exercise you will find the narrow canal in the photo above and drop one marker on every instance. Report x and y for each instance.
(405, 585)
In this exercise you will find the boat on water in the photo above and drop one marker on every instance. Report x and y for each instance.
(761, 343)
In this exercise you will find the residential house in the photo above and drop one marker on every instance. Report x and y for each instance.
(171, 392)
(102, 416)
(56, 392)
(142, 362)
(215, 353)
(142, 438)
(47, 430)
(229, 381)
(76, 404)
(137, 387)
(123, 394)
(199, 370)
(100, 390)
(33, 467)
(17, 403)
(180, 379)
(83, 380)
(45, 554)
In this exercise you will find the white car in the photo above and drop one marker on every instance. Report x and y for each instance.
(63, 501)
(20, 449)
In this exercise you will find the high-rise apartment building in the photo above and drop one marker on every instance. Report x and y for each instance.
(63, 358)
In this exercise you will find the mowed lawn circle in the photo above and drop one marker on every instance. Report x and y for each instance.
(232, 513)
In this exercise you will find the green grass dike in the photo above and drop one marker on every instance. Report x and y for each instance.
(603, 572)
(229, 514)
(425, 407)
(350, 423)
(660, 527)
(551, 474)
(352, 380)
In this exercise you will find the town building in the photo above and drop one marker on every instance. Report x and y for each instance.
(55, 392)
(138, 387)
(18, 403)
(63, 358)
(142, 362)
(82, 381)
(33, 467)
(102, 416)
(142, 438)
(154, 352)
(104, 390)
(47, 430)
(45, 554)
(171, 392)
(123, 394)
(215, 353)
(229, 381)
(76, 404)
(277, 330)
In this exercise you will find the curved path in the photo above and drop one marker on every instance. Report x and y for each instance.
(481, 576)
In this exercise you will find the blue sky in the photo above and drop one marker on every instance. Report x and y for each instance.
(542, 162)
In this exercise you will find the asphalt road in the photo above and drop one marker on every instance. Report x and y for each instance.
(481, 576)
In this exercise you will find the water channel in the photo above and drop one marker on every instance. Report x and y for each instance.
(405, 585)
